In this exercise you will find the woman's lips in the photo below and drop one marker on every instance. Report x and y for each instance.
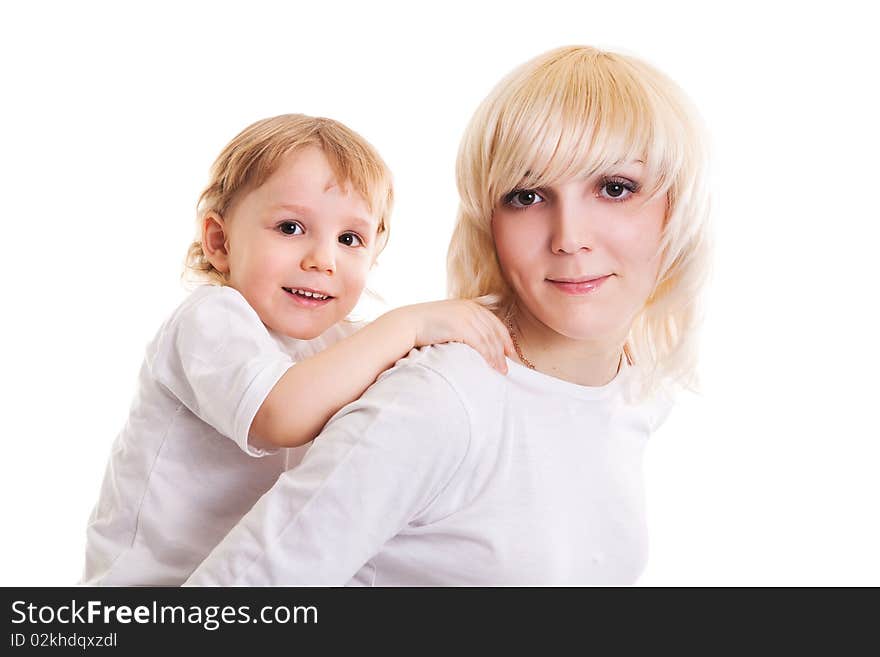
(579, 287)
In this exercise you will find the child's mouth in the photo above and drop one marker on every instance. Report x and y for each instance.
(306, 297)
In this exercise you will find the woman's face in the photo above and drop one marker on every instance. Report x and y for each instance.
(581, 256)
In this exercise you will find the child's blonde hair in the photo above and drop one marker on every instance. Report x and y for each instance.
(255, 154)
(576, 111)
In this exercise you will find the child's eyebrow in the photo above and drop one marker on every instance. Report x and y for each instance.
(300, 209)
(361, 224)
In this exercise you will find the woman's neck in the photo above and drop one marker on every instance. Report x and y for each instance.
(584, 362)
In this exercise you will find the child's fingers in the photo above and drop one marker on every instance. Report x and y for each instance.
(484, 348)
(503, 346)
(495, 355)
(507, 350)
(504, 337)
(485, 333)
(486, 344)
(501, 335)
(499, 340)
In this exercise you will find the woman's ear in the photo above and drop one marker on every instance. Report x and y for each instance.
(215, 242)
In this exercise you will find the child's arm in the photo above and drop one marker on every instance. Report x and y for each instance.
(311, 391)
(374, 469)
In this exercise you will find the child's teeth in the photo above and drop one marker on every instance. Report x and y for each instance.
(312, 295)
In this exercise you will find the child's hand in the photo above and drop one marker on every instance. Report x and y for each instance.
(461, 321)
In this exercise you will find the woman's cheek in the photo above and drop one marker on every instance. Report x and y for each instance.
(519, 238)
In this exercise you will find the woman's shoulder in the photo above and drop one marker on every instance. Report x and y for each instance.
(458, 363)
(652, 400)
(436, 396)
(456, 368)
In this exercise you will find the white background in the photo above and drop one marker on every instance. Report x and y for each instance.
(111, 116)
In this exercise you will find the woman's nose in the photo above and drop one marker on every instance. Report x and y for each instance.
(319, 257)
(571, 227)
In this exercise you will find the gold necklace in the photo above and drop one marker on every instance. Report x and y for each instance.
(525, 361)
(531, 365)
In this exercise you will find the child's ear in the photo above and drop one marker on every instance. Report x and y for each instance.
(215, 243)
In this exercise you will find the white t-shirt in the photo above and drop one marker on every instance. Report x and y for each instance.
(182, 472)
(446, 472)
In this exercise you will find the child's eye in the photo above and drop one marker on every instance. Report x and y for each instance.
(522, 198)
(290, 228)
(350, 239)
(618, 189)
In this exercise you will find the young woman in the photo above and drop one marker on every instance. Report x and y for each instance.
(583, 225)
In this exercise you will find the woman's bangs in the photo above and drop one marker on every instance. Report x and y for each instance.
(596, 124)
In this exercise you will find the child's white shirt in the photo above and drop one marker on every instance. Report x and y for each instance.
(182, 471)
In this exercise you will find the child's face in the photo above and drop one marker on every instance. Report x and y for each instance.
(302, 231)
(581, 256)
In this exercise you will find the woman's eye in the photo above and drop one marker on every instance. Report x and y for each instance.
(350, 239)
(290, 228)
(618, 190)
(523, 198)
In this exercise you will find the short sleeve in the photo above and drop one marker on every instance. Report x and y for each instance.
(378, 465)
(217, 357)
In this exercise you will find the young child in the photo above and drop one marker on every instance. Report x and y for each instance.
(294, 216)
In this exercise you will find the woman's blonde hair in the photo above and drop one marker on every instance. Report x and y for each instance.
(576, 111)
(257, 151)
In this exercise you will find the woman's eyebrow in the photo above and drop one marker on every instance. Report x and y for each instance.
(618, 167)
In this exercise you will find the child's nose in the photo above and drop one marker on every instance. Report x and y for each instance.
(319, 258)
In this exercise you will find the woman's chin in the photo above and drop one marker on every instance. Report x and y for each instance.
(587, 329)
